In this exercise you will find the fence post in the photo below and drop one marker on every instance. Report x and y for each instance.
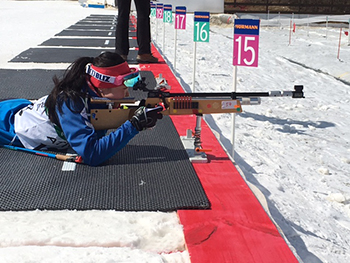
(349, 34)
(338, 57)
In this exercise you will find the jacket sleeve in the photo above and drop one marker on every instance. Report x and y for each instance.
(85, 140)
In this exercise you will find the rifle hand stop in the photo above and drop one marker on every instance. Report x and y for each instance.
(193, 144)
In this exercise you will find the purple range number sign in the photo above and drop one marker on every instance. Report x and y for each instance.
(246, 42)
(180, 17)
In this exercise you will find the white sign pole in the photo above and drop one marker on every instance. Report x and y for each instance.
(163, 38)
(200, 34)
(175, 47)
(290, 32)
(245, 53)
(338, 57)
(233, 114)
(326, 26)
(180, 23)
(194, 65)
(279, 20)
(156, 29)
(349, 34)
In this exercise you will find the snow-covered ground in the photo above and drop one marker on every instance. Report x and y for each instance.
(297, 152)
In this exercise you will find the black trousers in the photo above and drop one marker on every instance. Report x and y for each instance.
(143, 10)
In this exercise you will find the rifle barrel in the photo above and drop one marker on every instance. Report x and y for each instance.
(297, 93)
(231, 95)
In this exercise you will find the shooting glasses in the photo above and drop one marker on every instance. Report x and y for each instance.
(110, 77)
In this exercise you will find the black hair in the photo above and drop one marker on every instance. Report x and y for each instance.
(73, 83)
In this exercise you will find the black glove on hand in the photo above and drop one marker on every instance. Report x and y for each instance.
(145, 118)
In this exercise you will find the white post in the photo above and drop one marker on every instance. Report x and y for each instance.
(279, 20)
(233, 114)
(290, 32)
(152, 28)
(349, 34)
(326, 26)
(194, 65)
(156, 29)
(338, 57)
(163, 38)
(308, 25)
(175, 47)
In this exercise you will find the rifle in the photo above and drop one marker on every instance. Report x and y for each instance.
(178, 103)
(160, 99)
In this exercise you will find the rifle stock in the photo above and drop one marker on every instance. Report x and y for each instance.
(104, 119)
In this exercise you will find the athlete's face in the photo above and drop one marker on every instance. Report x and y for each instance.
(115, 93)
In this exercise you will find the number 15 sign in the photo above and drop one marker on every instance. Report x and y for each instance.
(246, 42)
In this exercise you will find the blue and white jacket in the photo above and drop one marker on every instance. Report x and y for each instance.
(36, 131)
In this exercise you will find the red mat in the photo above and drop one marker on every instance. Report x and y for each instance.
(236, 228)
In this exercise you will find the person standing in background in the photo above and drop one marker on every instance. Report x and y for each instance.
(143, 9)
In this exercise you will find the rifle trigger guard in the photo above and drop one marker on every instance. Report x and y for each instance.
(142, 103)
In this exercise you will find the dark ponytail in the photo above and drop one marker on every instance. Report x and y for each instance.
(73, 83)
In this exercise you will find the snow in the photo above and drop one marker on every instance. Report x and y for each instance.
(295, 151)
(97, 236)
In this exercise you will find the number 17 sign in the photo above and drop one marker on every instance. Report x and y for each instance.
(246, 42)
(180, 17)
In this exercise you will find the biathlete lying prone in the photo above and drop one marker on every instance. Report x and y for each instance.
(61, 119)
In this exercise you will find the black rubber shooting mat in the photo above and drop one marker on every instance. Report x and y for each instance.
(101, 17)
(152, 173)
(96, 22)
(36, 83)
(91, 33)
(87, 33)
(92, 27)
(57, 55)
(99, 32)
(29, 84)
(80, 42)
(64, 55)
(85, 42)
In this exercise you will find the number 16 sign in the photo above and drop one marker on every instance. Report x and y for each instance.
(246, 42)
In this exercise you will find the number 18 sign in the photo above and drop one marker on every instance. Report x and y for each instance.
(246, 42)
